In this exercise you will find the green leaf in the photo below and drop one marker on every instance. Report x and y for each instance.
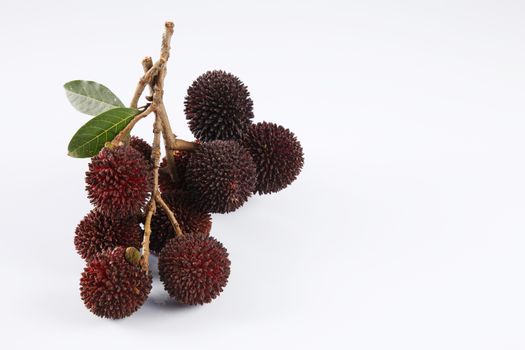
(93, 135)
(90, 97)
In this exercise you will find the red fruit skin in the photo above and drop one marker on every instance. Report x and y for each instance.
(118, 181)
(220, 176)
(194, 270)
(218, 107)
(192, 221)
(142, 147)
(166, 182)
(277, 154)
(97, 233)
(111, 287)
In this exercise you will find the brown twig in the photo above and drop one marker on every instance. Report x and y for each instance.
(157, 99)
(183, 145)
(167, 132)
(155, 156)
(145, 80)
(116, 141)
(147, 235)
(166, 40)
(154, 77)
(170, 215)
(147, 63)
(158, 83)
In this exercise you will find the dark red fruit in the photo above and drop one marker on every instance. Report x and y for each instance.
(220, 176)
(112, 287)
(277, 154)
(118, 181)
(192, 222)
(97, 233)
(218, 107)
(194, 270)
(142, 147)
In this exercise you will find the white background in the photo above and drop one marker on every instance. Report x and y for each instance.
(405, 229)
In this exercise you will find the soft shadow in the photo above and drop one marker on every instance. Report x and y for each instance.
(154, 266)
(164, 302)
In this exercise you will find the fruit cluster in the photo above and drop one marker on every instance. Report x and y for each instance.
(234, 158)
(144, 204)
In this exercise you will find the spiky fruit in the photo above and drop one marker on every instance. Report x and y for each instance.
(97, 233)
(192, 222)
(218, 107)
(118, 181)
(142, 147)
(220, 176)
(194, 270)
(112, 287)
(277, 154)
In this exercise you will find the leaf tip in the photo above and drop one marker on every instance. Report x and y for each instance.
(72, 154)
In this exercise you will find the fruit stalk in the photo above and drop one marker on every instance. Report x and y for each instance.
(170, 214)
(154, 77)
(119, 138)
(160, 114)
(182, 145)
(160, 111)
(170, 139)
(147, 64)
(168, 135)
(155, 155)
(146, 79)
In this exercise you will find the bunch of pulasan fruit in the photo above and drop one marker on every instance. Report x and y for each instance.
(231, 159)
